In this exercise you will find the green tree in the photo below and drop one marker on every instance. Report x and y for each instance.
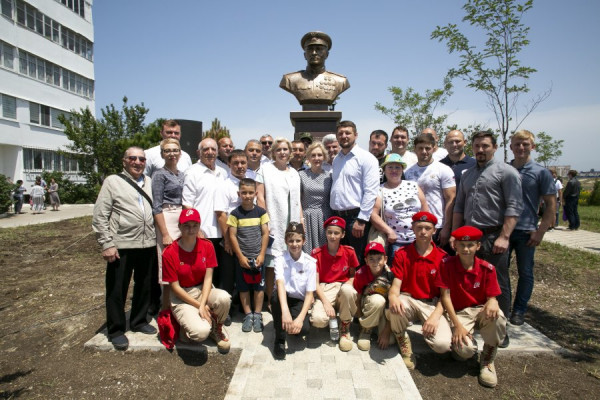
(548, 150)
(5, 193)
(98, 144)
(216, 131)
(416, 111)
(493, 67)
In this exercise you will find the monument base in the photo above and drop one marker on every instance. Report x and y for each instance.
(318, 123)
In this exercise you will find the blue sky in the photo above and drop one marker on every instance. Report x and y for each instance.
(200, 60)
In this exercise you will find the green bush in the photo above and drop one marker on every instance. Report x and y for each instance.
(70, 192)
(5, 194)
(584, 197)
(594, 199)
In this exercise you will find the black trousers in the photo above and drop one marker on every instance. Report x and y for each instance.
(359, 244)
(501, 262)
(224, 275)
(136, 262)
(295, 306)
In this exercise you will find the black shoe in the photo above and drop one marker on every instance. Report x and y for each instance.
(146, 329)
(279, 350)
(517, 318)
(120, 342)
(227, 321)
(505, 342)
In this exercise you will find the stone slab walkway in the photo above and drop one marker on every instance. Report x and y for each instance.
(66, 211)
(579, 239)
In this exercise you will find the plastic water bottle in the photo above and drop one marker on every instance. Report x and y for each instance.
(334, 332)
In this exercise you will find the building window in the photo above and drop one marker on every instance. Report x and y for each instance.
(38, 160)
(46, 116)
(9, 106)
(7, 55)
(34, 113)
(7, 8)
(77, 6)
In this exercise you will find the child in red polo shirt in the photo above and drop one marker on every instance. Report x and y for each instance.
(414, 295)
(335, 272)
(372, 284)
(469, 288)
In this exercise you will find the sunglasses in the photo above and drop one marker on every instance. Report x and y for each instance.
(267, 142)
(134, 158)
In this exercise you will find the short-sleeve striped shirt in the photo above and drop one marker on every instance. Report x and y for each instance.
(249, 231)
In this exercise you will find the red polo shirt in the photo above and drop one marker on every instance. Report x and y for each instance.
(362, 278)
(468, 288)
(335, 268)
(418, 273)
(189, 268)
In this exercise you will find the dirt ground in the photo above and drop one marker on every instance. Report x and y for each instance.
(52, 301)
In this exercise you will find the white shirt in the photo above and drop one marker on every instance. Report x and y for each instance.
(299, 276)
(439, 154)
(264, 159)
(433, 179)
(409, 158)
(155, 162)
(223, 165)
(228, 199)
(355, 182)
(199, 187)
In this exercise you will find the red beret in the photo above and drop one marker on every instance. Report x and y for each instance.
(467, 233)
(374, 246)
(424, 216)
(189, 215)
(335, 221)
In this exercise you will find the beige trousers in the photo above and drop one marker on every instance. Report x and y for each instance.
(187, 315)
(342, 298)
(374, 315)
(492, 331)
(417, 310)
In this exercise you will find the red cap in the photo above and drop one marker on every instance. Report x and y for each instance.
(467, 233)
(335, 221)
(374, 246)
(189, 215)
(425, 216)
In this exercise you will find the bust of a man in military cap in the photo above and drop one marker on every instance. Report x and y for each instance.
(315, 85)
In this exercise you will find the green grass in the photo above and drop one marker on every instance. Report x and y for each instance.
(568, 258)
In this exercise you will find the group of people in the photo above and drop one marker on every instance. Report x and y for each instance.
(321, 228)
(37, 194)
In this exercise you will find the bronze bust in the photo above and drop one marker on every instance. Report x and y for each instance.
(315, 85)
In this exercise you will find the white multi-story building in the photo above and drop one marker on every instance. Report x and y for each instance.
(46, 69)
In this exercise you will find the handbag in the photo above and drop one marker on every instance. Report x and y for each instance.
(374, 234)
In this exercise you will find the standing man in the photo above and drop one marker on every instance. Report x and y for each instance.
(559, 188)
(399, 142)
(438, 153)
(266, 141)
(378, 142)
(253, 151)
(333, 148)
(436, 180)
(354, 188)
(225, 145)
(154, 161)
(536, 183)
(201, 185)
(571, 200)
(490, 199)
(124, 227)
(456, 158)
(298, 154)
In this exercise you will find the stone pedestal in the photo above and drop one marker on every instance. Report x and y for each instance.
(318, 123)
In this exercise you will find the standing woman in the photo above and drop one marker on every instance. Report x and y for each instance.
(167, 185)
(188, 265)
(37, 195)
(53, 191)
(278, 192)
(400, 200)
(18, 196)
(315, 186)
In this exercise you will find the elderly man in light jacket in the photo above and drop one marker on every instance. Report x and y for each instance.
(125, 229)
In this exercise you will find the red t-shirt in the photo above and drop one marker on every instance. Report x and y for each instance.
(362, 278)
(335, 268)
(468, 288)
(189, 268)
(418, 273)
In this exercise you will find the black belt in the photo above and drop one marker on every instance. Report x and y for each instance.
(490, 229)
(347, 213)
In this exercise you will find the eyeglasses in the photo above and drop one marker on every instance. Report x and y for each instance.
(168, 151)
(134, 158)
(267, 142)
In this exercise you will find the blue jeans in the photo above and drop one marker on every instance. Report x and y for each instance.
(525, 255)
